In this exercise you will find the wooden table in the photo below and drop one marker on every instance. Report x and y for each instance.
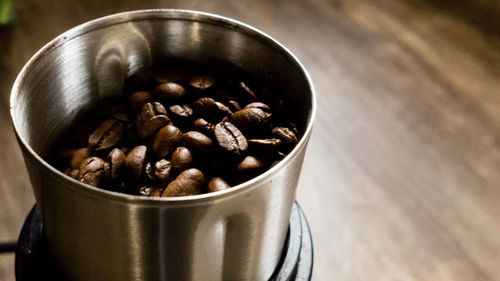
(402, 176)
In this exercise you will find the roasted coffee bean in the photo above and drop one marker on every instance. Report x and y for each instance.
(125, 150)
(156, 192)
(293, 128)
(206, 108)
(93, 171)
(264, 145)
(251, 164)
(72, 173)
(203, 126)
(78, 156)
(201, 82)
(153, 117)
(145, 190)
(230, 139)
(180, 114)
(189, 182)
(197, 141)
(135, 162)
(251, 120)
(217, 184)
(149, 172)
(166, 140)
(246, 93)
(158, 171)
(223, 110)
(182, 158)
(162, 170)
(107, 135)
(286, 135)
(169, 91)
(138, 99)
(233, 105)
(281, 155)
(116, 159)
(264, 107)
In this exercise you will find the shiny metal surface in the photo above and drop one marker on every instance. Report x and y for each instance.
(100, 235)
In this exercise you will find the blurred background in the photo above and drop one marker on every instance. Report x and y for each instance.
(401, 180)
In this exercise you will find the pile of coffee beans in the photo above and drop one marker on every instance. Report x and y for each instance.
(177, 131)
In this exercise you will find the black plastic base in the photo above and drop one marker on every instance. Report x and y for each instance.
(33, 261)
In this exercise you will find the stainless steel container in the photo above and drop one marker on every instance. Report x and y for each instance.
(96, 234)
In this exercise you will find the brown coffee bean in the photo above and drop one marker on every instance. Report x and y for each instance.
(246, 93)
(203, 126)
(169, 91)
(145, 190)
(166, 140)
(72, 173)
(197, 141)
(189, 182)
(182, 158)
(162, 169)
(264, 145)
(78, 156)
(153, 117)
(250, 164)
(125, 150)
(286, 135)
(233, 105)
(223, 109)
(264, 107)
(138, 99)
(206, 107)
(251, 120)
(217, 184)
(156, 192)
(107, 135)
(201, 82)
(184, 111)
(149, 172)
(135, 162)
(230, 139)
(293, 128)
(158, 171)
(116, 159)
(93, 171)
(180, 114)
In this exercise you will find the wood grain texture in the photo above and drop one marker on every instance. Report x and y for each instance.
(401, 180)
